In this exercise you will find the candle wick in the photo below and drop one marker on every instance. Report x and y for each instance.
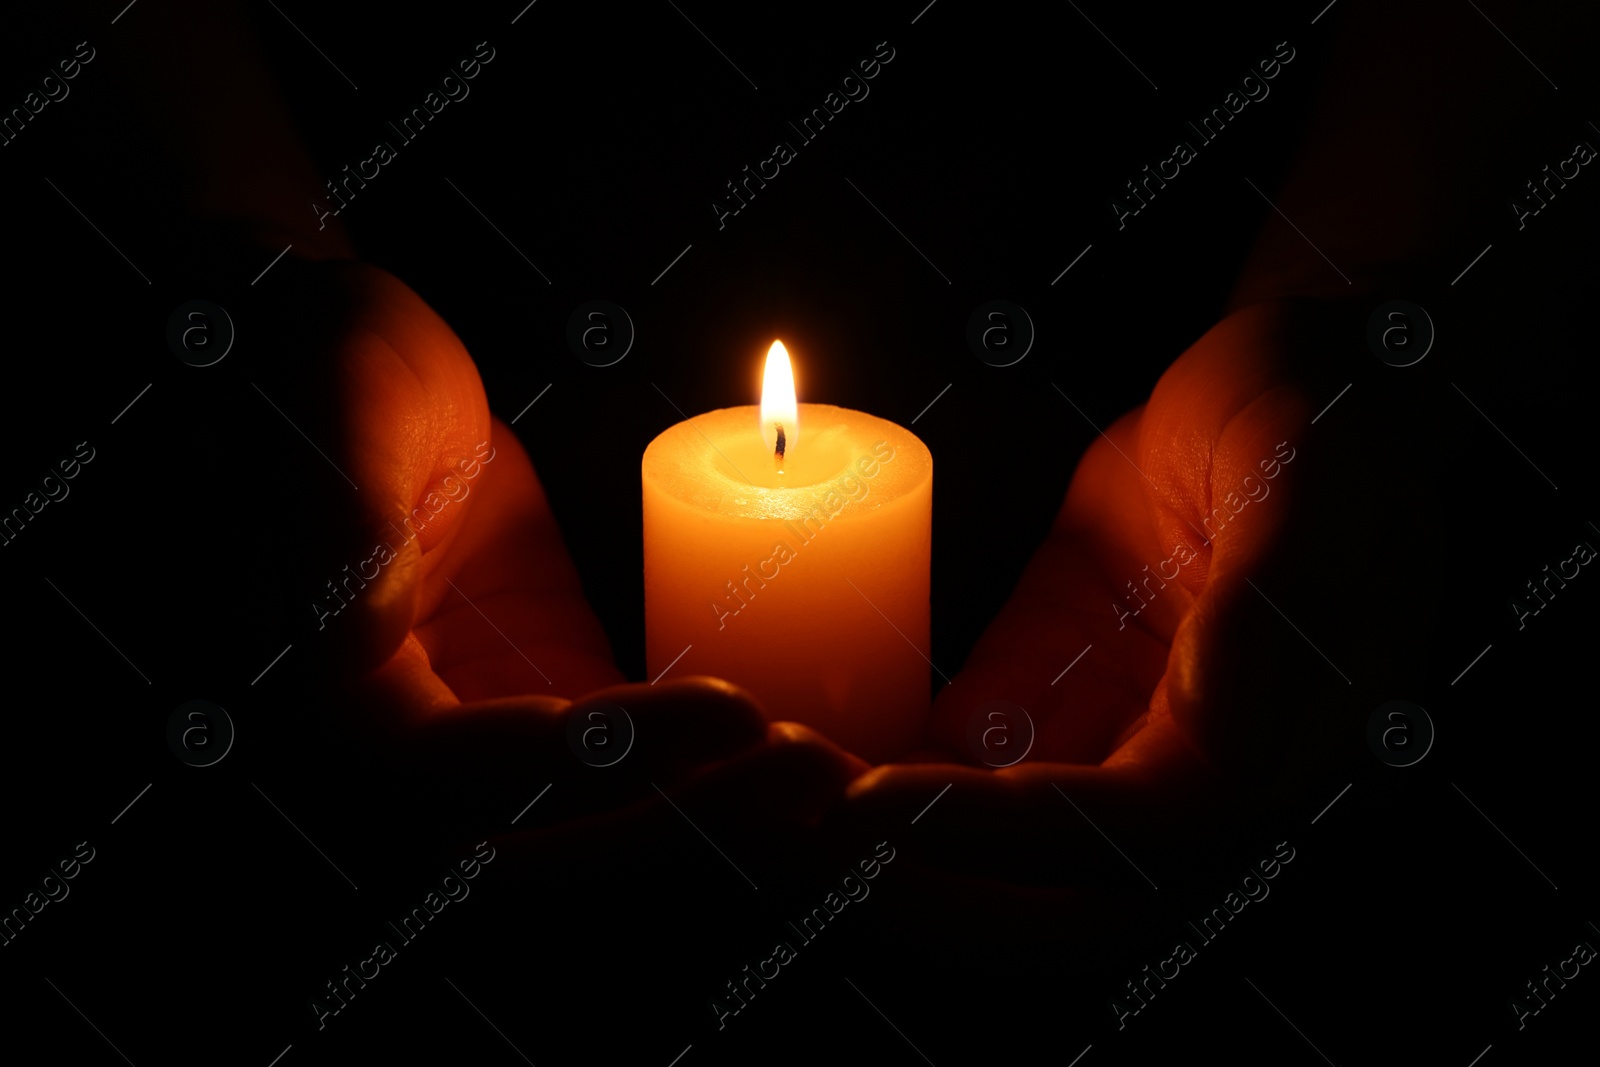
(777, 453)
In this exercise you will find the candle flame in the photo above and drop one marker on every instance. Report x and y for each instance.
(780, 416)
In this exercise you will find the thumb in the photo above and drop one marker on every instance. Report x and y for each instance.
(408, 424)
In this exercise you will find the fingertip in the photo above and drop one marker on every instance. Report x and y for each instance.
(702, 687)
(381, 617)
(689, 721)
(798, 734)
(707, 684)
(872, 782)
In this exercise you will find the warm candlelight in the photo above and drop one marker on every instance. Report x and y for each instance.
(780, 422)
(799, 571)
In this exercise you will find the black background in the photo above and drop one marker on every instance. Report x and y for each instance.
(595, 142)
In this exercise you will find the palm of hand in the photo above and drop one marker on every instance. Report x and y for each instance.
(1194, 530)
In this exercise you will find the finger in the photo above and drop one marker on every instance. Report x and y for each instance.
(405, 689)
(1072, 648)
(737, 819)
(1233, 419)
(446, 521)
(388, 395)
(503, 611)
(1048, 823)
(473, 767)
(686, 720)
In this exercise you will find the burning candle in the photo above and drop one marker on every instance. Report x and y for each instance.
(787, 549)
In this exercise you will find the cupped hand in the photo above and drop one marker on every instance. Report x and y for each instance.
(471, 662)
(1195, 646)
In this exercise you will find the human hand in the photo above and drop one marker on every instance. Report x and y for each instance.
(1206, 541)
(461, 637)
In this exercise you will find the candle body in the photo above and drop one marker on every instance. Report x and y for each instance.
(809, 588)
